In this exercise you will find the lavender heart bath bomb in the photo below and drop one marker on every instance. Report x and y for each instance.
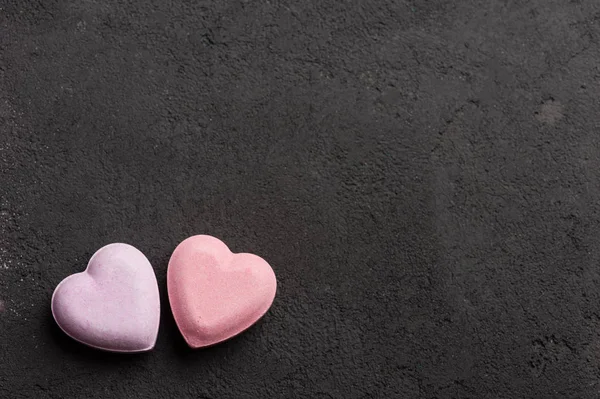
(216, 294)
(114, 304)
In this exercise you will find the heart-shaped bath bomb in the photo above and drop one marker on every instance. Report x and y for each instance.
(114, 304)
(214, 293)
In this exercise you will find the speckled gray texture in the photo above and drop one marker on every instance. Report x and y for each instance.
(424, 177)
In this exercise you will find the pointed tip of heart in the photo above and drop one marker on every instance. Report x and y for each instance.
(117, 346)
(199, 340)
(141, 347)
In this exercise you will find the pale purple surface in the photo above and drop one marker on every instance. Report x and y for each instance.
(114, 304)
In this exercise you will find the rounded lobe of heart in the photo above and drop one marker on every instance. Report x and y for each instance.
(114, 304)
(214, 293)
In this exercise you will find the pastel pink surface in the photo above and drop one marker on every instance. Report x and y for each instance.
(114, 304)
(214, 293)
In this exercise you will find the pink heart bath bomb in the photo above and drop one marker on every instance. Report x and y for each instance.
(114, 304)
(214, 293)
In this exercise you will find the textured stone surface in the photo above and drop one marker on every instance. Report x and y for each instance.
(423, 174)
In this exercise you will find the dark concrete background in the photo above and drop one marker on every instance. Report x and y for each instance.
(424, 177)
